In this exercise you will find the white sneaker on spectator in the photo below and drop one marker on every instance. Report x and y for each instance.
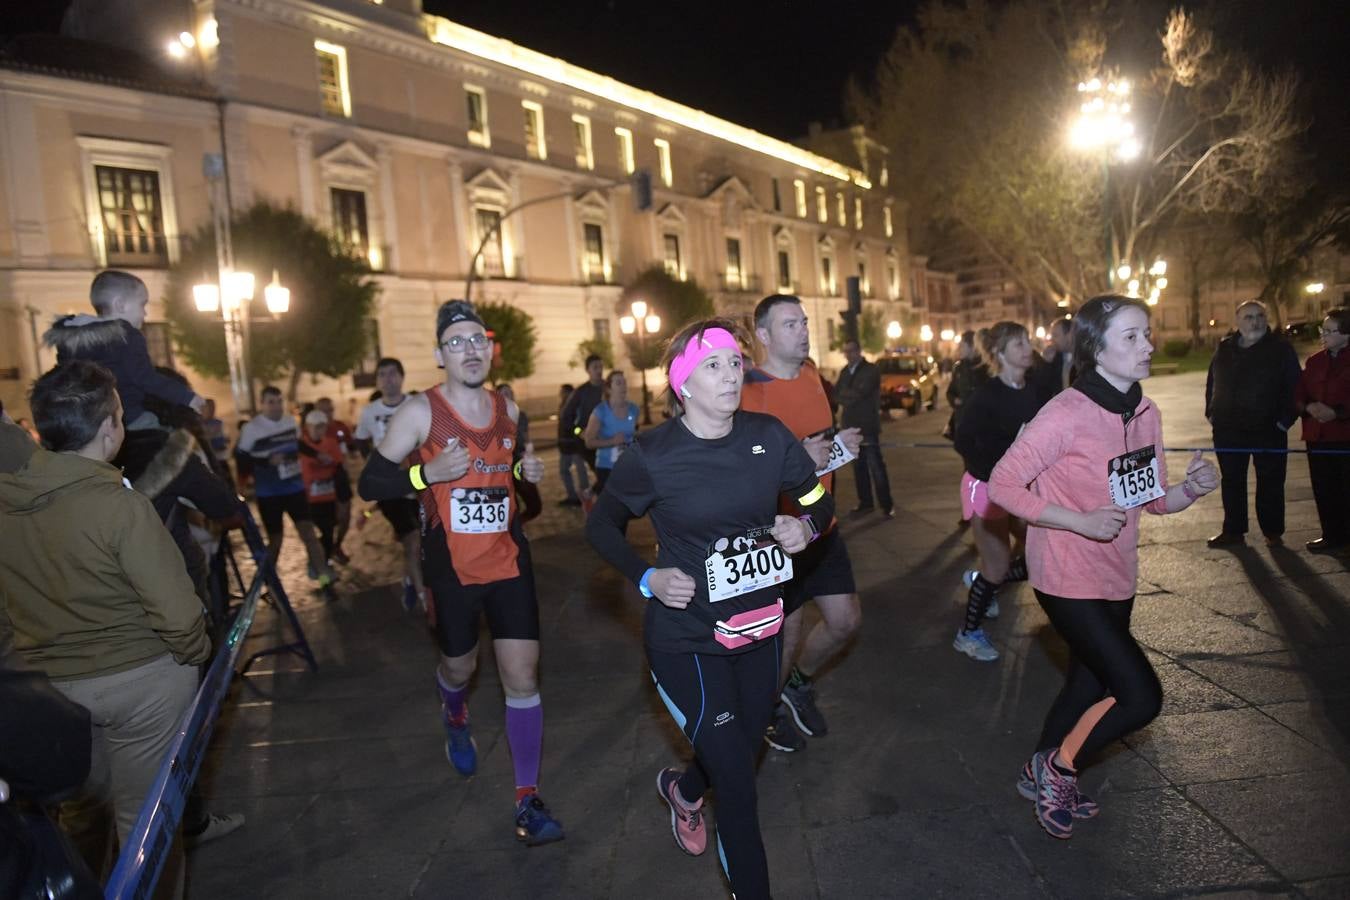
(217, 826)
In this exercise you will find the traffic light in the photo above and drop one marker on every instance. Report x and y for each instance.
(642, 190)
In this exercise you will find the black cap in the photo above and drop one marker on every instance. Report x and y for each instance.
(452, 312)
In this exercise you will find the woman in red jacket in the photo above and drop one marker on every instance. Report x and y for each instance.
(1323, 399)
(1080, 474)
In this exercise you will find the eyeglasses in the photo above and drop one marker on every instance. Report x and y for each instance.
(458, 343)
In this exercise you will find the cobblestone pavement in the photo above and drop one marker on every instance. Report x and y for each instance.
(1237, 790)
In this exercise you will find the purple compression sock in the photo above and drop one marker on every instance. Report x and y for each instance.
(453, 709)
(525, 735)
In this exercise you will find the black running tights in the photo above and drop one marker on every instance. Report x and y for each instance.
(723, 703)
(1104, 661)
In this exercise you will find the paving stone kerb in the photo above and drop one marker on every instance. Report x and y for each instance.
(1239, 786)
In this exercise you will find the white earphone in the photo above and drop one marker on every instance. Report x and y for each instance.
(685, 392)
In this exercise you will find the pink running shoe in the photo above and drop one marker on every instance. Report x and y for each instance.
(685, 824)
(1055, 796)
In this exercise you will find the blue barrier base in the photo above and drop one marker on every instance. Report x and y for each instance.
(276, 592)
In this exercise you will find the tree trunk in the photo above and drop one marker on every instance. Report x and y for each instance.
(293, 388)
(1195, 311)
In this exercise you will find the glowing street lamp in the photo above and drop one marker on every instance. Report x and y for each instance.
(947, 334)
(893, 331)
(926, 333)
(1040, 332)
(278, 298)
(1103, 119)
(207, 297)
(1103, 126)
(641, 324)
(231, 297)
(1315, 287)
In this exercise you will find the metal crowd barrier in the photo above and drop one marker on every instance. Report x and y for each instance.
(142, 858)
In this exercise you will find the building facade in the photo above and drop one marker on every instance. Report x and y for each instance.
(411, 138)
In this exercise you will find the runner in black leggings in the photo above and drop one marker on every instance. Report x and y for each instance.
(992, 418)
(710, 479)
(1094, 458)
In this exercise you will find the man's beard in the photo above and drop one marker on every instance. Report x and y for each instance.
(474, 384)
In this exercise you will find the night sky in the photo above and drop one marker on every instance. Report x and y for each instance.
(778, 67)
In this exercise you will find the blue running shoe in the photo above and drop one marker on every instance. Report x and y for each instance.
(974, 644)
(461, 749)
(1084, 807)
(535, 825)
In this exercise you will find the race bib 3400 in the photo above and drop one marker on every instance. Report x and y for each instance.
(746, 563)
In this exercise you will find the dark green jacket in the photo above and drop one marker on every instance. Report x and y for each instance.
(94, 583)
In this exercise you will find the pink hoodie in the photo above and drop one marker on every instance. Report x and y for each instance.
(1062, 457)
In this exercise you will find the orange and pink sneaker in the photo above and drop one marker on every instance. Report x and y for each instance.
(686, 824)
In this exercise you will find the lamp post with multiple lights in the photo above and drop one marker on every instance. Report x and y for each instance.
(1103, 126)
(233, 291)
(642, 324)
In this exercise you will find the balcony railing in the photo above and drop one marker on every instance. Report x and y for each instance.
(738, 284)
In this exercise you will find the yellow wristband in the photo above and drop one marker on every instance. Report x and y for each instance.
(515, 470)
(415, 476)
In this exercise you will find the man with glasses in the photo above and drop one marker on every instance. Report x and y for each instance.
(476, 559)
(1249, 401)
(401, 512)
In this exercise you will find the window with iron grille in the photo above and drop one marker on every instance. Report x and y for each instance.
(349, 221)
(734, 273)
(363, 376)
(534, 130)
(581, 140)
(476, 102)
(492, 260)
(133, 221)
(334, 99)
(784, 271)
(595, 252)
(672, 255)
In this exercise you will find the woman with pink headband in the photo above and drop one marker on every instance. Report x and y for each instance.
(709, 479)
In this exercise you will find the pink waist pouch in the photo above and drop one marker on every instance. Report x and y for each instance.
(750, 626)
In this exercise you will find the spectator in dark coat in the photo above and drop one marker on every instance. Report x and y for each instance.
(577, 411)
(859, 394)
(1056, 371)
(1249, 400)
(969, 373)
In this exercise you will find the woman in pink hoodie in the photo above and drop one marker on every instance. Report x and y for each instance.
(1079, 475)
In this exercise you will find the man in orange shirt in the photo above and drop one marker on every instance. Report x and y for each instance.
(787, 385)
(475, 557)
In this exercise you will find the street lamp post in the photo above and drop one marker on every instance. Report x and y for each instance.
(1103, 124)
(232, 291)
(641, 324)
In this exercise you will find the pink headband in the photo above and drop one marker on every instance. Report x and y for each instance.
(696, 351)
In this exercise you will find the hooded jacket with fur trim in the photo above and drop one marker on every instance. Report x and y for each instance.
(170, 468)
(119, 347)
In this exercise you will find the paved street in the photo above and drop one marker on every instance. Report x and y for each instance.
(1239, 789)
